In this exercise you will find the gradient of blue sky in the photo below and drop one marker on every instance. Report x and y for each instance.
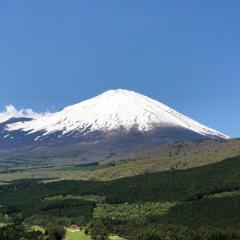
(185, 54)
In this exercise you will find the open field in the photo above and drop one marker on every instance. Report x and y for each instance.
(76, 235)
(115, 238)
(80, 235)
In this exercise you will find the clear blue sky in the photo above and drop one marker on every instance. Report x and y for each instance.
(185, 54)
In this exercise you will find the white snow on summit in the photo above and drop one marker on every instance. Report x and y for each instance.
(111, 110)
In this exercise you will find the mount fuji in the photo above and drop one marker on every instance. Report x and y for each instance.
(118, 118)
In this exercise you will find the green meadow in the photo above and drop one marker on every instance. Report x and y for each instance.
(73, 234)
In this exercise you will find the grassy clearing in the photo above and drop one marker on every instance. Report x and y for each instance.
(115, 238)
(37, 228)
(73, 234)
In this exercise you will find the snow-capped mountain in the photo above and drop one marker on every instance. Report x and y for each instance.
(111, 113)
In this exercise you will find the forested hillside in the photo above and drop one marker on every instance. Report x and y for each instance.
(150, 206)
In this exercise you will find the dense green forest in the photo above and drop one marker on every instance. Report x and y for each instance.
(197, 203)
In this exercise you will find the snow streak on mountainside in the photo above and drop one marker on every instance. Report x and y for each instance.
(112, 110)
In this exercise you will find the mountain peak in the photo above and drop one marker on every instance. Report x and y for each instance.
(120, 93)
(111, 110)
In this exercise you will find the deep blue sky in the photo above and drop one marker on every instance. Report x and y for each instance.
(185, 54)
